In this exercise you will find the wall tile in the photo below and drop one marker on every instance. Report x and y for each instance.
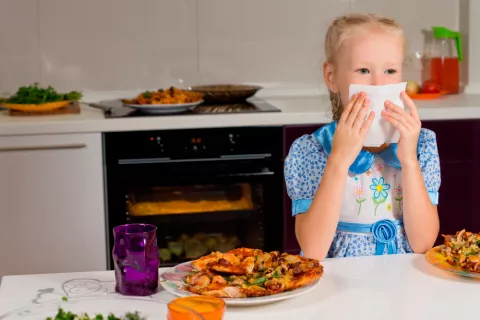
(19, 49)
(117, 44)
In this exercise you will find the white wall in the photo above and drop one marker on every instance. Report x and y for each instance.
(125, 44)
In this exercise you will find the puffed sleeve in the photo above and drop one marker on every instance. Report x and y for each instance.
(303, 171)
(429, 163)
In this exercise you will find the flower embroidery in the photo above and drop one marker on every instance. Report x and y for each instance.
(399, 191)
(380, 193)
(389, 207)
(379, 167)
(399, 196)
(380, 188)
(358, 192)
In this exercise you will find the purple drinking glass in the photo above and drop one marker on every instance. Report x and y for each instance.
(136, 259)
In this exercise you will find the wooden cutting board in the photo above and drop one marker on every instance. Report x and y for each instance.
(73, 108)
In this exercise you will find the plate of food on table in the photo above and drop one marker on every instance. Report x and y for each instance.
(169, 100)
(244, 276)
(34, 98)
(459, 254)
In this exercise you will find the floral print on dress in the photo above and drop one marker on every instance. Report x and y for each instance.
(358, 192)
(379, 167)
(399, 196)
(380, 193)
(389, 207)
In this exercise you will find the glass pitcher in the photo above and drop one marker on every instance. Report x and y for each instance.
(442, 61)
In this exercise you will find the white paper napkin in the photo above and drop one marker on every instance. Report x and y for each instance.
(381, 131)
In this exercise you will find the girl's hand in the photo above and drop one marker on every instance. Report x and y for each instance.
(409, 125)
(351, 130)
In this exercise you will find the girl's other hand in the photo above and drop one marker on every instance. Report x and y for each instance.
(409, 125)
(351, 130)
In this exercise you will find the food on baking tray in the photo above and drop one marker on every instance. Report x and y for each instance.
(165, 200)
(463, 250)
(36, 95)
(187, 247)
(244, 272)
(171, 95)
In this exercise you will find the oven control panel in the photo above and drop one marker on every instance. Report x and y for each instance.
(192, 144)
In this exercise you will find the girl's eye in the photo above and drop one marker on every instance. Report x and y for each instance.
(363, 71)
(391, 71)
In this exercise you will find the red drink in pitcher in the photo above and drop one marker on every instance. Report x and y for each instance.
(445, 72)
(443, 59)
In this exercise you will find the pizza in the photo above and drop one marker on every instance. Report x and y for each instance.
(244, 272)
(462, 250)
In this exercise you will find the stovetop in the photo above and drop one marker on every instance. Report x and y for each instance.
(115, 109)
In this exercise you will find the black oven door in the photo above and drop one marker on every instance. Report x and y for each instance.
(199, 205)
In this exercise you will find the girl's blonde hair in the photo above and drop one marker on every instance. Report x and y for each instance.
(340, 29)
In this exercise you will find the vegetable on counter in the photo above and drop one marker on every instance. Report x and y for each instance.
(36, 95)
(427, 87)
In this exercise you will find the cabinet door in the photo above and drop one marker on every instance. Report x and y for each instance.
(458, 144)
(51, 204)
(291, 133)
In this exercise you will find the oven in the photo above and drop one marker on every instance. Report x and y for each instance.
(205, 190)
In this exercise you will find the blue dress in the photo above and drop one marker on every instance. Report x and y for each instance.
(371, 213)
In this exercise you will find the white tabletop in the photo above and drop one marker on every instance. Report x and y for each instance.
(380, 287)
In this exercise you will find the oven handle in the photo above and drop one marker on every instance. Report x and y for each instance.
(221, 158)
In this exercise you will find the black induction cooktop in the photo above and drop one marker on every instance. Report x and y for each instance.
(115, 109)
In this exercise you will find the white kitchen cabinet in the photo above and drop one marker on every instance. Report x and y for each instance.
(51, 204)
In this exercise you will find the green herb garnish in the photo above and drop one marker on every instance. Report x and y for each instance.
(62, 315)
(258, 282)
(64, 298)
(275, 274)
(35, 95)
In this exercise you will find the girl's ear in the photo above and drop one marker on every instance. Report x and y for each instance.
(328, 76)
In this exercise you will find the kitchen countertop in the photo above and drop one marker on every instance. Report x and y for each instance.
(379, 287)
(296, 110)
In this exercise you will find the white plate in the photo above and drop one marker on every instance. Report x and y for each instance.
(172, 281)
(119, 306)
(164, 108)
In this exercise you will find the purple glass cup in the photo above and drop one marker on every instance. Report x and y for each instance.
(136, 259)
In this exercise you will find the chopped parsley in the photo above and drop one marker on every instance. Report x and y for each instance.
(36, 95)
(67, 315)
(258, 282)
(64, 298)
(228, 278)
(275, 274)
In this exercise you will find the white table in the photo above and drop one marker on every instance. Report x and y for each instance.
(381, 287)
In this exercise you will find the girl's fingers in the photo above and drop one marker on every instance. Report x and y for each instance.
(355, 109)
(368, 123)
(399, 117)
(392, 108)
(348, 109)
(362, 114)
(411, 106)
(397, 124)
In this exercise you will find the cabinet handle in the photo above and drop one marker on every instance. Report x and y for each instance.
(48, 147)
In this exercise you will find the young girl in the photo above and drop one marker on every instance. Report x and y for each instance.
(349, 200)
